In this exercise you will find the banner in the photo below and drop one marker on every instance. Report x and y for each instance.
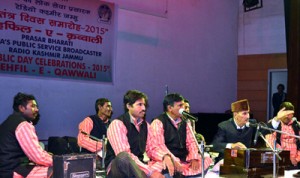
(69, 39)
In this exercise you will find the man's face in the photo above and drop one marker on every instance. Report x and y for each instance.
(174, 110)
(137, 109)
(280, 89)
(30, 111)
(186, 107)
(288, 118)
(241, 117)
(105, 110)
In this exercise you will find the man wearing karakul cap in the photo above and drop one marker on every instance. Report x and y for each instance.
(233, 132)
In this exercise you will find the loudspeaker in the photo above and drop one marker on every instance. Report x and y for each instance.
(74, 166)
(62, 145)
(250, 3)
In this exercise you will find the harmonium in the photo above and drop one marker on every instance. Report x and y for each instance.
(253, 163)
(74, 166)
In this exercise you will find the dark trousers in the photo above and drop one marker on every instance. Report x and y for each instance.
(124, 167)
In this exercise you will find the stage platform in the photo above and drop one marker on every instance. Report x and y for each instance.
(287, 174)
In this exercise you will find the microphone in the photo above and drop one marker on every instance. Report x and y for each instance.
(249, 124)
(182, 112)
(294, 119)
(256, 134)
(101, 153)
(91, 136)
(83, 132)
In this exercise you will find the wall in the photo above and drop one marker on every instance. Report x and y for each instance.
(253, 80)
(262, 31)
(193, 50)
(261, 46)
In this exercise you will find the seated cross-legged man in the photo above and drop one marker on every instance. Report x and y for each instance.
(175, 136)
(20, 152)
(94, 127)
(286, 123)
(234, 133)
(129, 138)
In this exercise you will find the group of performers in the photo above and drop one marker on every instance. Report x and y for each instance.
(164, 147)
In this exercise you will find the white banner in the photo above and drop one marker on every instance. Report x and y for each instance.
(69, 39)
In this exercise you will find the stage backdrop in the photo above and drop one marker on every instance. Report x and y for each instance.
(69, 39)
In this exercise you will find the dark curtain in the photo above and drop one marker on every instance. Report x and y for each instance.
(292, 24)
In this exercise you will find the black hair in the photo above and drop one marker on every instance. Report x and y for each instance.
(132, 96)
(280, 85)
(170, 99)
(186, 100)
(101, 102)
(21, 99)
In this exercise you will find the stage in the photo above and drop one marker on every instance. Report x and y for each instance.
(287, 174)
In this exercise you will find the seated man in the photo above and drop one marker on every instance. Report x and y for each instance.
(288, 124)
(95, 126)
(233, 132)
(175, 136)
(130, 136)
(186, 107)
(20, 152)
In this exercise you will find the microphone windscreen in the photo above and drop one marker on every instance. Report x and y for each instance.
(247, 124)
(181, 110)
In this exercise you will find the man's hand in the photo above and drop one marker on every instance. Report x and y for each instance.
(168, 163)
(195, 164)
(283, 113)
(238, 146)
(294, 161)
(156, 174)
(178, 166)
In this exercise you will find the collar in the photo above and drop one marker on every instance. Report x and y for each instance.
(102, 119)
(174, 121)
(134, 121)
(238, 127)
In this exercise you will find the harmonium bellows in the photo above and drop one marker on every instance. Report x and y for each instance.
(253, 162)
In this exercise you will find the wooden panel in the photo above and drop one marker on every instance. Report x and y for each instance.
(253, 75)
(260, 116)
(253, 85)
(256, 105)
(262, 62)
(256, 95)
(252, 81)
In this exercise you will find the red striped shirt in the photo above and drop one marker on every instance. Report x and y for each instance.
(117, 136)
(85, 141)
(287, 142)
(28, 140)
(191, 145)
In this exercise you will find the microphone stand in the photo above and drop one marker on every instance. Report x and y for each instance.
(103, 152)
(97, 140)
(279, 131)
(200, 147)
(275, 151)
(91, 136)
